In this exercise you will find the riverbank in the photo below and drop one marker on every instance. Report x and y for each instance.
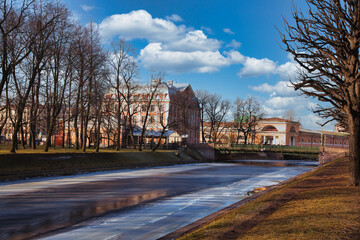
(27, 165)
(318, 205)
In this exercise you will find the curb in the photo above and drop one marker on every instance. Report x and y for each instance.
(216, 215)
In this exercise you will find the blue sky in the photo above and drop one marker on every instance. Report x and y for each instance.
(229, 47)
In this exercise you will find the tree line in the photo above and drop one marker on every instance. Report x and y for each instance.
(220, 115)
(55, 74)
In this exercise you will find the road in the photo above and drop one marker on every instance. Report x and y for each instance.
(128, 204)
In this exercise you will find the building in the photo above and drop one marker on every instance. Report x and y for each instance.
(279, 131)
(173, 107)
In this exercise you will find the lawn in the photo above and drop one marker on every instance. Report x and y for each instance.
(318, 205)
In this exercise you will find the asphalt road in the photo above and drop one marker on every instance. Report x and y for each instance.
(128, 204)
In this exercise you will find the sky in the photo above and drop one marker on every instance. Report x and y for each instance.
(228, 47)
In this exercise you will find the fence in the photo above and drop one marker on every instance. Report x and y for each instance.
(274, 148)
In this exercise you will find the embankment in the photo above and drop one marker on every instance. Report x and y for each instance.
(17, 166)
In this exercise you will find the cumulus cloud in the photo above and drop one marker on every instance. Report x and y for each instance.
(234, 44)
(87, 8)
(174, 18)
(194, 41)
(140, 25)
(311, 121)
(256, 67)
(153, 56)
(177, 48)
(228, 31)
(172, 48)
(253, 67)
(282, 98)
(281, 88)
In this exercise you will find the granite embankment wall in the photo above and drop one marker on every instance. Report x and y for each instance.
(328, 154)
(206, 150)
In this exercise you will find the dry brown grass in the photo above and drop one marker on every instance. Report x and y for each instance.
(320, 205)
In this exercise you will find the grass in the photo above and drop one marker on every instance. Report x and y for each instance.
(40, 149)
(319, 205)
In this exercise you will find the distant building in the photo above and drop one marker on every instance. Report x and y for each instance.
(279, 131)
(174, 104)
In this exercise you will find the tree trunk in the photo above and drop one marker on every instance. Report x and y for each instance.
(118, 133)
(48, 136)
(354, 150)
(159, 142)
(22, 136)
(14, 137)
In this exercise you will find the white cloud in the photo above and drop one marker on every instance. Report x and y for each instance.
(234, 44)
(288, 70)
(176, 48)
(284, 102)
(310, 121)
(228, 31)
(153, 56)
(194, 41)
(172, 48)
(207, 30)
(281, 88)
(87, 8)
(283, 98)
(140, 25)
(256, 67)
(174, 18)
(235, 57)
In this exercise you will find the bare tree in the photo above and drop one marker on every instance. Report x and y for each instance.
(35, 35)
(14, 16)
(202, 96)
(164, 120)
(290, 115)
(80, 47)
(149, 95)
(58, 72)
(123, 85)
(247, 113)
(325, 43)
(216, 111)
(95, 64)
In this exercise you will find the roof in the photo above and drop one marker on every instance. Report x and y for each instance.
(309, 131)
(277, 119)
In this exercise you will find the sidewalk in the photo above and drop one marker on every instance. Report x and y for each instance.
(318, 205)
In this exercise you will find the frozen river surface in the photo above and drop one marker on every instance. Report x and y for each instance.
(129, 204)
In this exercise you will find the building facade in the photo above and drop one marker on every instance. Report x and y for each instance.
(279, 131)
(173, 107)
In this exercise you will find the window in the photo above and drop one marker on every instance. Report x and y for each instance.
(152, 119)
(161, 108)
(142, 119)
(152, 108)
(143, 108)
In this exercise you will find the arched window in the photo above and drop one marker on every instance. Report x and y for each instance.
(270, 128)
(292, 129)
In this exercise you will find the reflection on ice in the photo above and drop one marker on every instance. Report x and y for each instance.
(151, 221)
